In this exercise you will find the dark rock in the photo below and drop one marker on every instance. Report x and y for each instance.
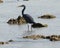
(54, 38)
(2, 43)
(38, 25)
(11, 41)
(12, 21)
(47, 37)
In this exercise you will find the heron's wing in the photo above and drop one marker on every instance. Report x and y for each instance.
(29, 17)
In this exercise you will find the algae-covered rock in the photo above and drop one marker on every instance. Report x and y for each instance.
(34, 37)
(47, 16)
(19, 20)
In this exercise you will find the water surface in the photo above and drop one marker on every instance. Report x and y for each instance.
(16, 32)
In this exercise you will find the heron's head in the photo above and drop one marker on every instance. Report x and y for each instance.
(21, 6)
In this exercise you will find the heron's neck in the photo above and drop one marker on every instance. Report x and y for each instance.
(23, 10)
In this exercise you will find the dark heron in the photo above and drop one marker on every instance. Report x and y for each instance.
(27, 17)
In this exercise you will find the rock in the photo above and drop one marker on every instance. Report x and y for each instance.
(12, 21)
(34, 37)
(47, 37)
(6, 43)
(53, 37)
(11, 41)
(38, 25)
(19, 20)
(3, 43)
(47, 16)
(19, 17)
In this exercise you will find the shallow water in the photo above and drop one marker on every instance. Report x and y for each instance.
(9, 9)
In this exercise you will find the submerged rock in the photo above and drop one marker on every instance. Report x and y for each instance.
(34, 37)
(47, 16)
(19, 20)
(38, 25)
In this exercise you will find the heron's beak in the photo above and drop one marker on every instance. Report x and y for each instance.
(19, 6)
